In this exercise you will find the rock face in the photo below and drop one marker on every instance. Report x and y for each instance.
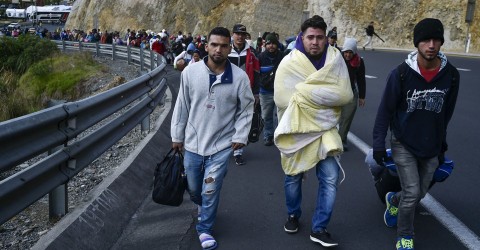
(394, 20)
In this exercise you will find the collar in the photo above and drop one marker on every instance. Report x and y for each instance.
(227, 76)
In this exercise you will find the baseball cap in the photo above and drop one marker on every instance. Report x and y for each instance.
(239, 28)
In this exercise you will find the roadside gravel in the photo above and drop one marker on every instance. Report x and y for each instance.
(24, 230)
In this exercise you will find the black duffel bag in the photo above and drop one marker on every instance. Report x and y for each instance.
(170, 182)
(257, 124)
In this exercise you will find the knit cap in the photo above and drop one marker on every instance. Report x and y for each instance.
(426, 29)
(271, 38)
(350, 44)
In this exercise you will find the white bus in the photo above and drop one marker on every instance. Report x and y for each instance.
(16, 13)
(49, 13)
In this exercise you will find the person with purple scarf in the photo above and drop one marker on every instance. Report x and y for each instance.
(312, 75)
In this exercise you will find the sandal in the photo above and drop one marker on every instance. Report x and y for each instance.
(207, 241)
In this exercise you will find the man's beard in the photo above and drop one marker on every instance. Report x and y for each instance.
(427, 58)
(217, 61)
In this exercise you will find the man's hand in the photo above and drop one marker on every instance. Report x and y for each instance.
(380, 156)
(441, 158)
(236, 145)
(361, 102)
(177, 146)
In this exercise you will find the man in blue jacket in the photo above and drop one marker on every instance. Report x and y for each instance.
(417, 104)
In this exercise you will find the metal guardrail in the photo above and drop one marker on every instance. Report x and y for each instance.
(52, 130)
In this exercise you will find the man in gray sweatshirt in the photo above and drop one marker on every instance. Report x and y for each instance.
(212, 117)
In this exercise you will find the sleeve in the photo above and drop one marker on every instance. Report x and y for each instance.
(256, 75)
(244, 112)
(180, 111)
(361, 82)
(386, 110)
(181, 55)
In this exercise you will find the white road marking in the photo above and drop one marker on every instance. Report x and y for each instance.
(460, 69)
(447, 219)
(370, 77)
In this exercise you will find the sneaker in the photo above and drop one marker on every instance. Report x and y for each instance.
(268, 142)
(390, 216)
(324, 238)
(291, 226)
(239, 160)
(363, 48)
(405, 243)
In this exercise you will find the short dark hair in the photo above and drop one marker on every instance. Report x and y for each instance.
(220, 31)
(314, 22)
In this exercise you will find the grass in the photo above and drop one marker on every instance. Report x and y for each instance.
(57, 77)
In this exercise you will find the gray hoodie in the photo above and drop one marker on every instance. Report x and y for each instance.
(212, 111)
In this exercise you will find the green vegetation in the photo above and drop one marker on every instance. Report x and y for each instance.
(32, 71)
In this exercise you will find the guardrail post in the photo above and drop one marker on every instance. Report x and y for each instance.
(129, 55)
(141, 59)
(64, 46)
(58, 201)
(113, 50)
(80, 45)
(152, 60)
(58, 197)
(97, 48)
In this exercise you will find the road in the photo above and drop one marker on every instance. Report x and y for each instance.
(252, 210)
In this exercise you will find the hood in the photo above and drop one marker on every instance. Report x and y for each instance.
(412, 60)
(350, 44)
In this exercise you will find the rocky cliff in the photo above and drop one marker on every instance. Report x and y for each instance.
(394, 20)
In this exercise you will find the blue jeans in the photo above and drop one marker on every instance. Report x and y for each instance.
(327, 175)
(415, 176)
(269, 115)
(205, 176)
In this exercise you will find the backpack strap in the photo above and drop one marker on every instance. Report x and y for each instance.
(455, 74)
(402, 70)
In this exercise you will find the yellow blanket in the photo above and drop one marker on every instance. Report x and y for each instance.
(309, 104)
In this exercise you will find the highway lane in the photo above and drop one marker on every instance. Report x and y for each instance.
(252, 211)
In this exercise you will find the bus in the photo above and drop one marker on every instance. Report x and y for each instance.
(51, 13)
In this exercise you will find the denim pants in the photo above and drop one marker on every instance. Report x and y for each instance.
(415, 176)
(205, 176)
(327, 175)
(346, 118)
(269, 114)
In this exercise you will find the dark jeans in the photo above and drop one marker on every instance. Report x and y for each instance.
(415, 175)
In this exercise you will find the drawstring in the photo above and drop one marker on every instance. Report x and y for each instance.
(337, 158)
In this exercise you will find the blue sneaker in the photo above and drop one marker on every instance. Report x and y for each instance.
(405, 243)
(390, 216)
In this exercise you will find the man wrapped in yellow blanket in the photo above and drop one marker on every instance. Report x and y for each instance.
(311, 86)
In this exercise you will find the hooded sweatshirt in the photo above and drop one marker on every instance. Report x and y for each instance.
(356, 67)
(417, 111)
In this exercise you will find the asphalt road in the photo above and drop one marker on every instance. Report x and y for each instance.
(252, 210)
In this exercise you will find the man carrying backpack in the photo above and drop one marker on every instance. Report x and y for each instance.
(417, 104)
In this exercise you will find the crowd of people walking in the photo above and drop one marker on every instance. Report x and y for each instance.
(228, 77)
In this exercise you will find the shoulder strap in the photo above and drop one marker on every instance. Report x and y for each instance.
(402, 70)
(455, 74)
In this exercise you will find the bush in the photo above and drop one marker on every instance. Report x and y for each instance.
(19, 54)
(52, 78)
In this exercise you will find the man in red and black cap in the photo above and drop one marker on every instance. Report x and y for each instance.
(243, 56)
(417, 105)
